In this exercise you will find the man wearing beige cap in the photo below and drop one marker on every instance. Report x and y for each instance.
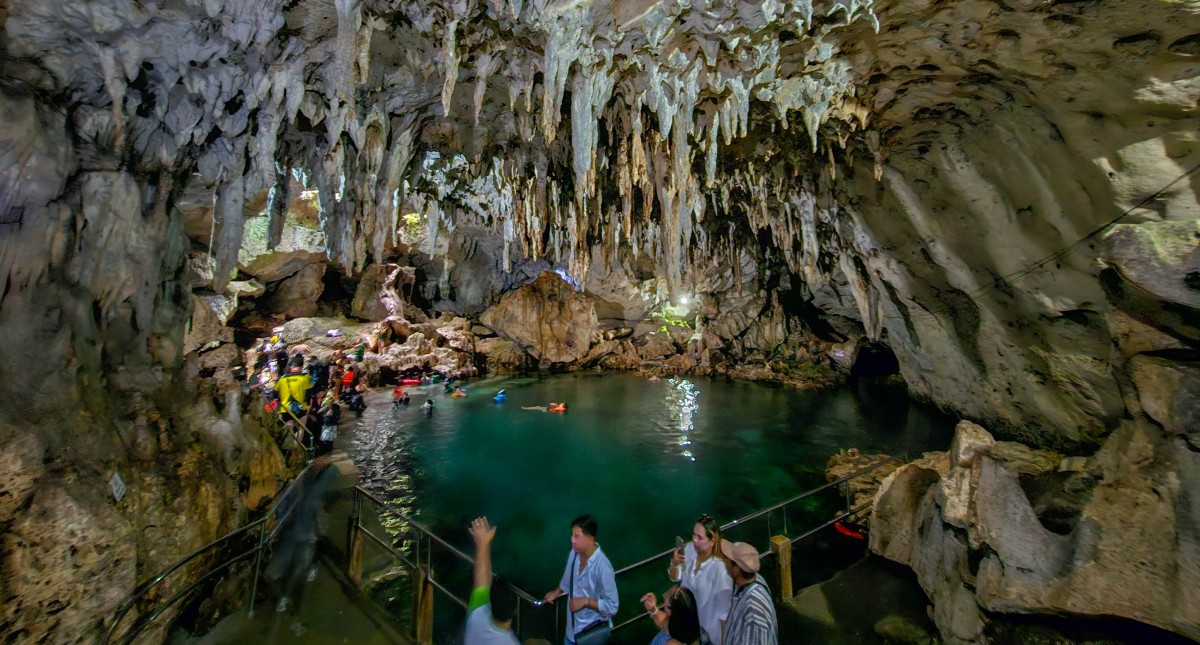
(752, 615)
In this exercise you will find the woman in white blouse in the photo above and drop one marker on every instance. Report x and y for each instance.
(698, 567)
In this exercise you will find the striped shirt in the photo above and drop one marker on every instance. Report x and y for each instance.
(752, 616)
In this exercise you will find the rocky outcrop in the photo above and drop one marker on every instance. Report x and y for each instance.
(299, 247)
(964, 521)
(102, 341)
(380, 292)
(296, 296)
(550, 319)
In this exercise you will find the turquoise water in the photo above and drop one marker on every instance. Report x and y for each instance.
(644, 457)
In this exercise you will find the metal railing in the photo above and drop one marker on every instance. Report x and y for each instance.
(424, 539)
(849, 512)
(265, 527)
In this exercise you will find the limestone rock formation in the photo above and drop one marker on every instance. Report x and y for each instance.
(1130, 549)
(296, 295)
(998, 192)
(378, 294)
(548, 317)
(298, 248)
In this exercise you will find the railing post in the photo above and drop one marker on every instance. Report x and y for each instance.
(354, 542)
(781, 546)
(423, 608)
(262, 539)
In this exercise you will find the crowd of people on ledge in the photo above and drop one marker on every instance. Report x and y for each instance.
(307, 393)
(718, 596)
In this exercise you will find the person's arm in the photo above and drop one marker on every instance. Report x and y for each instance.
(608, 602)
(656, 613)
(562, 584)
(483, 533)
(675, 569)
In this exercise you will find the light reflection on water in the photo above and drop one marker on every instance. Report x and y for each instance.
(682, 404)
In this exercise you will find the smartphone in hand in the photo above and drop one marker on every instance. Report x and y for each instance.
(679, 544)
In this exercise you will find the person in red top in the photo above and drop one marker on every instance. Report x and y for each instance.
(399, 397)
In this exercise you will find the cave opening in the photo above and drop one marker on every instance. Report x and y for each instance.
(874, 360)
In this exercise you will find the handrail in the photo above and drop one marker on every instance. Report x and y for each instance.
(759, 513)
(811, 492)
(421, 529)
(144, 589)
(424, 530)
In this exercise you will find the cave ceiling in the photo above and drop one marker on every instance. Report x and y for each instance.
(666, 128)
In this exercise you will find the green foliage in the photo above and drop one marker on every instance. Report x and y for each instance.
(671, 316)
(412, 225)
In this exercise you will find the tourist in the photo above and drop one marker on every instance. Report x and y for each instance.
(399, 397)
(590, 586)
(699, 568)
(428, 407)
(295, 537)
(329, 424)
(678, 619)
(293, 390)
(348, 378)
(752, 615)
(493, 603)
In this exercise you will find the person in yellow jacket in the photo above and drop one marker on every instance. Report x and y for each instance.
(293, 391)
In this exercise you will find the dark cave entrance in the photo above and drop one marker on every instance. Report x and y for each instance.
(874, 360)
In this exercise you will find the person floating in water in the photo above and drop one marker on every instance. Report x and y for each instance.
(459, 393)
(552, 407)
(428, 407)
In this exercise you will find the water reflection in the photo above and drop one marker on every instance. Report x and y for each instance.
(682, 402)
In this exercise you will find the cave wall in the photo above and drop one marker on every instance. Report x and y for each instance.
(96, 383)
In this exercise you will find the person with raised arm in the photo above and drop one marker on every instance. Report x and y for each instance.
(493, 603)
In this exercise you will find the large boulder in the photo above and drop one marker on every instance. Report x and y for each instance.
(501, 354)
(1169, 392)
(210, 312)
(298, 247)
(296, 296)
(548, 317)
(977, 543)
(1157, 274)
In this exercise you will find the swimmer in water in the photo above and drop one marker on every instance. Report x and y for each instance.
(552, 407)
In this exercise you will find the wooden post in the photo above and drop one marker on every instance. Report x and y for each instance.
(781, 546)
(423, 608)
(354, 564)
